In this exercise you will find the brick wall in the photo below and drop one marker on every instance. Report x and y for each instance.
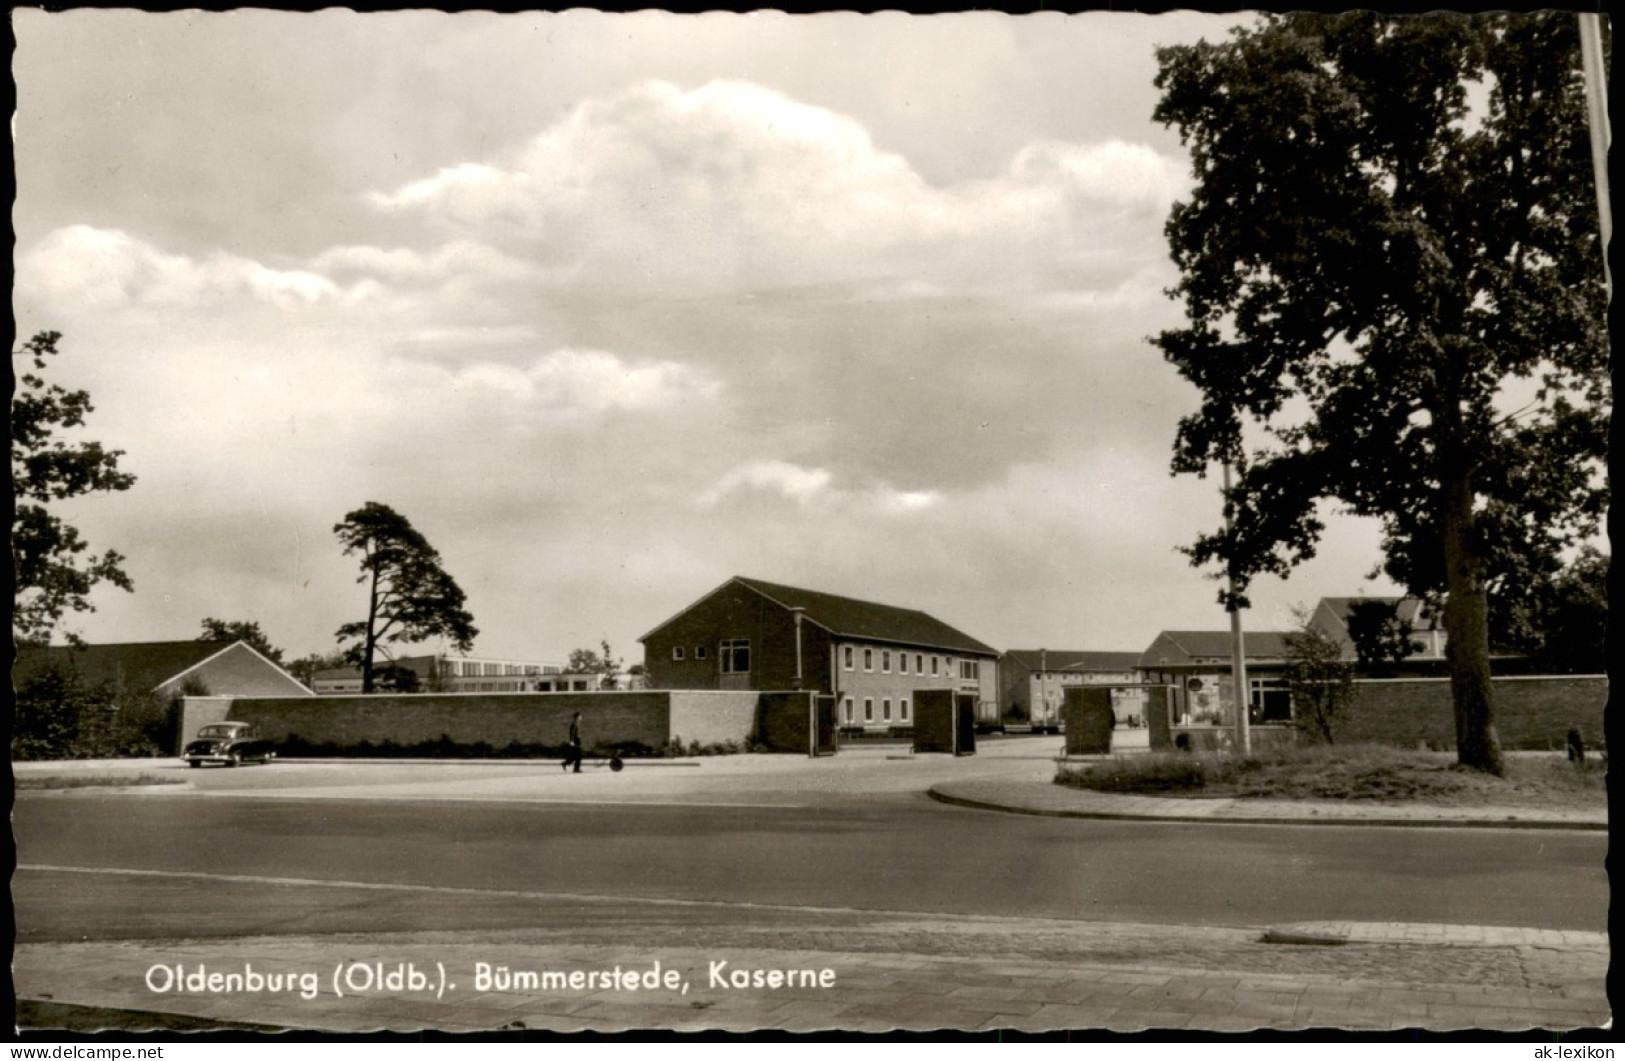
(495, 718)
(1530, 713)
(934, 720)
(197, 712)
(1087, 713)
(782, 721)
(714, 717)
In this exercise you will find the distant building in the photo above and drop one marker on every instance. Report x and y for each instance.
(464, 674)
(167, 668)
(1197, 664)
(1033, 682)
(1425, 626)
(873, 658)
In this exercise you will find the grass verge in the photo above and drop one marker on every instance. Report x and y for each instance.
(94, 781)
(35, 1016)
(1352, 772)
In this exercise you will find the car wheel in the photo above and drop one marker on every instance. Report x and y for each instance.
(194, 764)
(234, 760)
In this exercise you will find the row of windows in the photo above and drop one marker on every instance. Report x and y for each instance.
(969, 669)
(733, 655)
(869, 709)
(474, 668)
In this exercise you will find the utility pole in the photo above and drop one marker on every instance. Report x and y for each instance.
(1591, 58)
(1238, 649)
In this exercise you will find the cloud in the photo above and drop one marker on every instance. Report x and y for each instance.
(107, 269)
(815, 487)
(732, 186)
(587, 381)
(801, 485)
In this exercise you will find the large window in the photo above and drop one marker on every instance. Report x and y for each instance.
(970, 669)
(735, 656)
(1271, 700)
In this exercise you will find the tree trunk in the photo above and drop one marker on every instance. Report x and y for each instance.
(1467, 628)
(372, 639)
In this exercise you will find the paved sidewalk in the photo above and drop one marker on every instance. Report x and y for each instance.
(968, 974)
(1047, 798)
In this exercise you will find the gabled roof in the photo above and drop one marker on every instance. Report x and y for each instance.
(1410, 610)
(1062, 660)
(137, 665)
(848, 617)
(1181, 647)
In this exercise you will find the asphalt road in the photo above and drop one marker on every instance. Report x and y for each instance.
(246, 865)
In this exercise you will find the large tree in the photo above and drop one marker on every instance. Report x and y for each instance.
(603, 662)
(1394, 300)
(49, 563)
(410, 597)
(238, 630)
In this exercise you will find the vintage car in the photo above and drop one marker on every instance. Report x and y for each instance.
(228, 743)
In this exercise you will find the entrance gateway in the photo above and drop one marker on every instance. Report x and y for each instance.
(1087, 715)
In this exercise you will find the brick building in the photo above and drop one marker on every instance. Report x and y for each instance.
(1032, 683)
(873, 658)
(167, 668)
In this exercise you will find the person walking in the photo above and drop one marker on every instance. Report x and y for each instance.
(573, 754)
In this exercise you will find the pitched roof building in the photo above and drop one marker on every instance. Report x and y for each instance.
(1425, 626)
(751, 634)
(168, 668)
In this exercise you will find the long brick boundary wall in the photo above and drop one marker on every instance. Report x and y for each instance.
(498, 719)
(1531, 714)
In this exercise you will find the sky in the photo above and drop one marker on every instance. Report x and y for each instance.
(614, 307)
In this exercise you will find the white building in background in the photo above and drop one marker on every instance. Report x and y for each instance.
(446, 673)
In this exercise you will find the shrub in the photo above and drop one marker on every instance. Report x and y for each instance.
(58, 715)
(1145, 773)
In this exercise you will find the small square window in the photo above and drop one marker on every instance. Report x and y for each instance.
(677, 652)
(699, 651)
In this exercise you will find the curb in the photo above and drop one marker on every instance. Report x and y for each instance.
(476, 762)
(1301, 820)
